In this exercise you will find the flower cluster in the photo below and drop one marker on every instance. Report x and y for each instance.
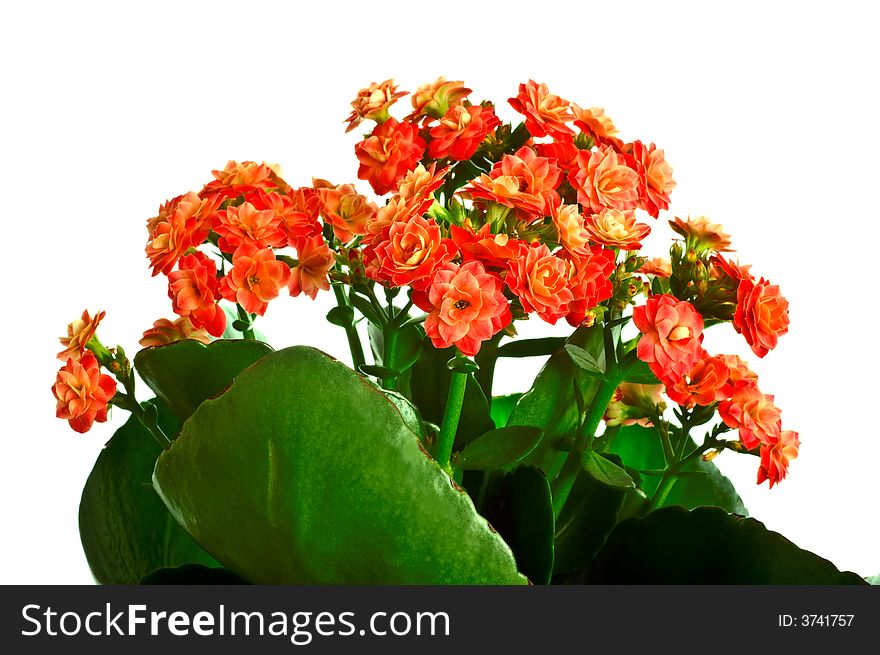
(700, 284)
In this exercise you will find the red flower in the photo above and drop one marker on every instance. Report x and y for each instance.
(659, 266)
(193, 291)
(705, 383)
(546, 114)
(465, 306)
(761, 314)
(461, 131)
(595, 123)
(388, 153)
(753, 413)
(372, 103)
(79, 333)
(603, 179)
(346, 210)
(493, 250)
(589, 281)
(296, 213)
(738, 369)
(522, 180)
(247, 224)
(82, 392)
(657, 182)
(166, 331)
(616, 229)
(436, 98)
(255, 278)
(775, 457)
(409, 253)
(242, 179)
(419, 185)
(182, 223)
(540, 281)
(672, 331)
(314, 261)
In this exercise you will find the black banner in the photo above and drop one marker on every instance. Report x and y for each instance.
(266, 619)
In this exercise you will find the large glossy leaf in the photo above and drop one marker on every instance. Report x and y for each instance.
(641, 449)
(304, 472)
(523, 514)
(550, 403)
(585, 521)
(429, 386)
(706, 546)
(125, 529)
(184, 373)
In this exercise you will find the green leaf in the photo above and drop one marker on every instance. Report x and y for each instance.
(125, 529)
(531, 347)
(429, 386)
(637, 371)
(502, 406)
(381, 372)
(190, 574)
(641, 449)
(408, 347)
(286, 487)
(499, 448)
(584, 360)
(341, 315)
(706, 546)
(523, 514)
(873, 580)
(408, 412)
(550, 403)
(184, 373)
(365, 307)
(587, 518)
(606, 472)
(462, 364)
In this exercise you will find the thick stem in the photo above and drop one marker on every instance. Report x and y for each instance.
(354, 341)
(389, 356)
(451, 415)
(487, 358)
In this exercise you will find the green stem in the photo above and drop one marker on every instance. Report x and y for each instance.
(487, 358)
(389, 355)
(451, 415)
(669, 477)
(248, 332)
(354, 341)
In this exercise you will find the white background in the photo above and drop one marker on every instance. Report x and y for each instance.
(767, 113)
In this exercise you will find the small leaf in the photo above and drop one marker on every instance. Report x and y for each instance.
(584, 360)
(637, 371)
(531, 347)
(606, 472)
(240, 326)
(381, 372)
(341, 315)
(365, 307)
(502, 406)
(499, 448)
(408, 347)
(461, 364)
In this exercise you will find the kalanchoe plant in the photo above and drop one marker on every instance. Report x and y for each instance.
(395, 471)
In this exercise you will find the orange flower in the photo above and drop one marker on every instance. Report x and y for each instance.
(540, 281)
(296, 213)
(546, 114)
(82, 392)
(465, 306)
(776, 457)
(314, 261)
(461, 131)
(738, 369)
(79, 333)
(659, 266)
(410, 253)
(243, 178)
(616, 229)
(657, 173)
(564, 152)
(589, 280)
(436, 98)
(723, 267)
(701, 235)
(247, 224)
(493, 250)
(597, 125)
(761, 314)
(372, 103)
(183, 222)
(388, 153)
(255, 278)
(522, 180)
(346, 210)
(753, 413)
(194, 292)
(570, 228)
(634, 404)
(603, 179)
(672, 332)
(420, 184)
(705, 383)
(396, 210)
(166, 331)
